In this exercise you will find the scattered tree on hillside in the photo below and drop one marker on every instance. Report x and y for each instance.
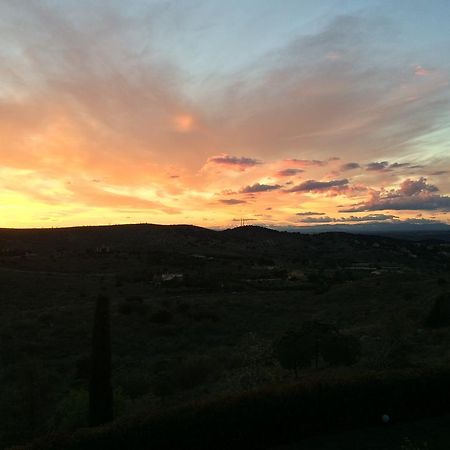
(316, 341)
(294, 351)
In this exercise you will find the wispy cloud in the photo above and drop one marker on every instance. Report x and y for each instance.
(310, 213)
(87, 93)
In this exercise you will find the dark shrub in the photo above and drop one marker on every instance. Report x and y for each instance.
(134, 383)
(162, 316)
(295, 350)
(183, 308)
(193, 372)
(162, 385)
(125, 308)
(134, 299)
(83, 367)
(341, 350)
(439, 315)
(315, 340)
(133, 305)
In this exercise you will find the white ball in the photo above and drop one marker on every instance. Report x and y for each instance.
(385, 418)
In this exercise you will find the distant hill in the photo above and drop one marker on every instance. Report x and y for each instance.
(399, 230)
(183, 246)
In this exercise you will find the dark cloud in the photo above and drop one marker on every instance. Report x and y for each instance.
(308, 162)
(375, 166)
(385, 166)
(352, 219)
(229, 160)
(310, 213)
(289, 172)
(370, 217)
(324, 219)
(413, 187)
(440, 172)
(349, 166)
(411, 195)
(231, 201)
(400, 165)
(420, 221)
(259, 188)
(315, 186)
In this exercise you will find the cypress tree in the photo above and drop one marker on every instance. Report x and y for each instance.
(100, 389)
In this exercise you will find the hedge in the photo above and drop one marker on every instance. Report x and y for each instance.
(271, 416)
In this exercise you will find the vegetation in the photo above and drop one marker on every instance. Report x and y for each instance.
(439, 315)
(273, 416)
(245, 310)
(316, 342)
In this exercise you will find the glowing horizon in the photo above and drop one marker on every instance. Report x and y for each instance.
(205, 112)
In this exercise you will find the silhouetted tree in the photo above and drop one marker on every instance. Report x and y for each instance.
(100, 389)
(294, 350)
(313, 342)
(318, 333)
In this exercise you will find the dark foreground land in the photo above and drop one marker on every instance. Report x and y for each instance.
(195, 316)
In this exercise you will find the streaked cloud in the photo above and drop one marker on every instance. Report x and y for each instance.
(310, 213)
(110, 111)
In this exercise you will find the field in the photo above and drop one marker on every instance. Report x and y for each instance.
(195, 314)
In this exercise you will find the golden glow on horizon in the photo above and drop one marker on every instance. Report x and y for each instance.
(330, 129)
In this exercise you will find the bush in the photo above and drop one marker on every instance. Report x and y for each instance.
(162, 316)
(134, 384)
(439, 316)
(294, 351)
(72, 410)
(183, 308)
(193, 372)
(162, 385)
(315, 340)
(125, 308)
(341, 350)
(272, 417)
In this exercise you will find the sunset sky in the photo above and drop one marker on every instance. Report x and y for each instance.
(287, 112)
